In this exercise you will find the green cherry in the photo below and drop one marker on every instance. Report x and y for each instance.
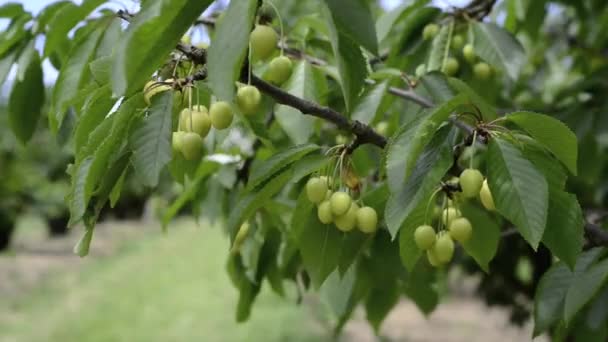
(248, 98)
(263, 40)
(461, 229)
(367, 220)
(486, 197)
(340, 203)
(316, 189)
(471, 181)
(221, 115)
(279, 70)
(425, 237)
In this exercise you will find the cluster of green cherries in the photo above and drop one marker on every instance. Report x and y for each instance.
(339, 207)
(195, 122)
(481, 70)
(439, 246)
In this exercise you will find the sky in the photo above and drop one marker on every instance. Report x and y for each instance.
(50, 74)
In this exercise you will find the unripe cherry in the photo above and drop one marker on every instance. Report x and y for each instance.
(468, 52)
(279, 70)
(177, 141)
(340, 203)
(184, 117)
(431, 256)
(367, 220)
(449, 214)
(482, 70)
(470, 182)
(316, 189)
(444, 248)
(192, 146)
(324, 213)
(430, 31)
(263, 40)
(221, 115)
(425, 237)
(451, 66)
(457, 42)
(461, 229)
(348, 221)
(248, 98)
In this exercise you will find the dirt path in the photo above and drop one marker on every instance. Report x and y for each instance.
(35, 257)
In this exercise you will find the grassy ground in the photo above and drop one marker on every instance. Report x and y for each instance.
(158, 288)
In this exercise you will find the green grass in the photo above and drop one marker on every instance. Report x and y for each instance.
(161, 288)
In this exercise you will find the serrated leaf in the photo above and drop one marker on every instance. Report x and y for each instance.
(564, 233)
(420, 286)
(74, 73)
(353, 18)
(584, 288)
(440, 48)
(483, 243)
(551, 133)
(94, 111)
(166, 21)
(101, 69)
(488, 111)
(77, 201)
(349, 60)
(436, 84)
(498, 47)
(549, 299)
(265, 169)
(519, 190)
(298, 127)
(369, 103)
(229, 47)
(26, 99)
(389, 19)
(151, 140)
(405, 146)
(249, 203)
(205, 169)
(428, 171)
(64, 20)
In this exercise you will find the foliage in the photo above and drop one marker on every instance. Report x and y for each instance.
(386, 108)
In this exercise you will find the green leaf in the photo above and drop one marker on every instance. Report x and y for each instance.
(27, 98)
(585, 287)
(440, 48)
(405, 146)
(76, 199)
(337, 290)
(488, 111)
(420, 286)
(205, 169)
(432, 165)
(519, 190)
(486, 233)
(551, 133)
(319, 244)
(64, 20)
(6, 63)
(369, 103)
(437, 86)
(151, 140)
(94, 111)
(353, 18)
(380, 302)
(74, 73)
(498, 47)
(350, 62)
(565, 227)
(249, 203)
(263, 170)
(598, 311)
(166, 21)
(11, 10)
(49, 12)
(549, 299)
(389, 19)
(15, 34)
(298, 127)
(229, 47)
(101, 69)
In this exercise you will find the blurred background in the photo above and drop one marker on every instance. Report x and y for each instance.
(138, 284)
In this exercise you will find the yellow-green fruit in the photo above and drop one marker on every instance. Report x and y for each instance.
(461, 229)
(184, 117)
(176, 141)
(432, 258)
(430, 31)
(451, 66)
(444, 248)
(241, 234)
(425, 237)
(340, 203)
(486, 196)
(470, 182)
(192, 146)
(324, 212)
(248, 99)
(449, 214)
(382, 128)
(348, 221)
(198, 122)
(221, 115)
(457, 42)
(263, 40)
(468, 52)
(367, 220)
(153, 88)
(482, 70)
(279, 70)
(420, 70)
(316, 189)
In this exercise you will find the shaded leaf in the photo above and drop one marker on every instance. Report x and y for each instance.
(353, 18)
(498, 47)
(483, 243)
